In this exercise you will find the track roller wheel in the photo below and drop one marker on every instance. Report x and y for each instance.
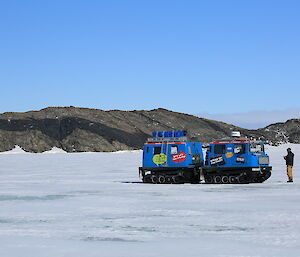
(242, 180)
(168, 180)
(154, 179)
(254, 180)
(225, 180)
(209, 179)
(177, 179)
(232, 179)
(217, 179)
(161, 179)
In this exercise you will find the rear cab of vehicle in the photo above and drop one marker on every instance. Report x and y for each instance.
(169, 154)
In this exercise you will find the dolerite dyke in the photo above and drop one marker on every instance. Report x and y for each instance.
(81, 129)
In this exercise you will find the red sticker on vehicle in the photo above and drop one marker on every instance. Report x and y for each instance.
(179, 157)
(240, 159)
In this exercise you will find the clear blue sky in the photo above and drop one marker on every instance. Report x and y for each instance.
(187, 56)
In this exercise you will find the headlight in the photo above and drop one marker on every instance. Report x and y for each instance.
(196, 158)
(263, 160)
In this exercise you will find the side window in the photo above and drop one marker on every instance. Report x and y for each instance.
(256, 148)
(157, 150)
(174, 149)
(219, 149)
(147, 149)
(240, 148)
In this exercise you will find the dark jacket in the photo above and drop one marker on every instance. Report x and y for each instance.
(289, 159)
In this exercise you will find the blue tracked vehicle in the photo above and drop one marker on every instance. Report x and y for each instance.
(168, 157)
(236, 160)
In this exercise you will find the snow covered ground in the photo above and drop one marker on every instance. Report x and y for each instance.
(81, 205)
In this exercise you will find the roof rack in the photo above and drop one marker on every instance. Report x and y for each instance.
(167, 139)
(168, 136)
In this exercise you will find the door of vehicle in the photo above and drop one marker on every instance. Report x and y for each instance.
(239, 154)
(218, 156)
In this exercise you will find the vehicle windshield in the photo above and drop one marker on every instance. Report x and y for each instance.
(256, 147)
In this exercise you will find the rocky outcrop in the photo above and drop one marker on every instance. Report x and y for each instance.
(287, 132)
(81, 129)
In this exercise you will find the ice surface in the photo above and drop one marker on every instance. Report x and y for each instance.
(83, 204)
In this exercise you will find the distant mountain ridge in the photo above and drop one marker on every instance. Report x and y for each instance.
(81, 129)
(254, 119)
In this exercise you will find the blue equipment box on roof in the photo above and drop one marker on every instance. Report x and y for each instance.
(169, 133)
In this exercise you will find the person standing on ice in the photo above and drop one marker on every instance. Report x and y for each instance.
(289, 159)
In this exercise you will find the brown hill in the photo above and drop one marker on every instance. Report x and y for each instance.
(81, 129)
